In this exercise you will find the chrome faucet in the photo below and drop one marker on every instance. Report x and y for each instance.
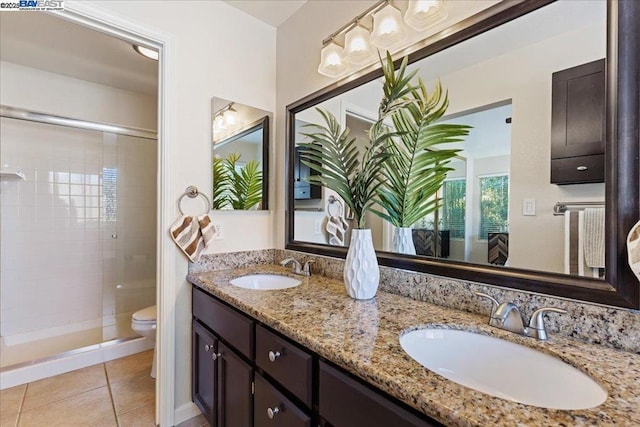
(507, 316)
(297, 268)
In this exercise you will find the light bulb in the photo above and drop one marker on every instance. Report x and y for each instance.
(423, 14)
(231, 117)
(218, 124)
(331, 63)
(388, 31)
(357, 49)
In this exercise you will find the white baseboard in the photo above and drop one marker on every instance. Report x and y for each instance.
(185, 412)
(81, 358)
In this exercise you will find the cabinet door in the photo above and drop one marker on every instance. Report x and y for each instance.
(235, 397)
(204, 372)
(345, 402)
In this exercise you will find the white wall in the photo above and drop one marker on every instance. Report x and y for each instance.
(524, 76)
(221, 52)
(46, 92)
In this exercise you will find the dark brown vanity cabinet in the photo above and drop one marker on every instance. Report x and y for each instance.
(203, 383)
(345, 402)
(222, 379)
(245, 374)
(578, 124)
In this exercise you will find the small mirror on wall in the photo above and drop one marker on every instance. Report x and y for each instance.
(240, 156)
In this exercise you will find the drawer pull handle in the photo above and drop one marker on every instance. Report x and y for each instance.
(215, 356)
(207, 347)
(272, 412)
(582, 168)
(273, 355)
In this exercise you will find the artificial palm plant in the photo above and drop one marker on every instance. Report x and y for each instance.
(417, 166)
(237, 187)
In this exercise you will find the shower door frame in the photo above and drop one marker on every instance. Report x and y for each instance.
(100, 20)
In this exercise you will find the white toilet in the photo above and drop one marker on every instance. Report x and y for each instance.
(143, 322)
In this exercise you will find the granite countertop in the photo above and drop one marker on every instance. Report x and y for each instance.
(363, 338)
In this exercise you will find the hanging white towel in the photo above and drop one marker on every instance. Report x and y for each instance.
(192, 235)
(593, 237)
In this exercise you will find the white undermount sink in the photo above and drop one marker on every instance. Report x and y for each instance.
(265, 282)
(502, 369)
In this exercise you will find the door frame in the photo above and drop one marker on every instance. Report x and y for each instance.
(98, 19)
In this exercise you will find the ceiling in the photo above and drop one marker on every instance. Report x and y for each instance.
(273, 12)
(43, 41)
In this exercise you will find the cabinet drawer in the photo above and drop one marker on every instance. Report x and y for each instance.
(572, 170)
(268, 398)
(344, 402)
(291, 366)
(230, 325)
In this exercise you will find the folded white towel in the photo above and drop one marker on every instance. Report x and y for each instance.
(593, 237)
(192, 235)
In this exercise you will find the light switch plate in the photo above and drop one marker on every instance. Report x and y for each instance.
(529, 207)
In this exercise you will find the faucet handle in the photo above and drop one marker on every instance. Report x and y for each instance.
(536, 323)
(307, 267)
(490, 298)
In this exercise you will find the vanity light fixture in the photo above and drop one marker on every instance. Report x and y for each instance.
(225, 119)
(357, 48)
(422, 14)
(388, 31)
(331, 62)
(381, 26)
(146, 52)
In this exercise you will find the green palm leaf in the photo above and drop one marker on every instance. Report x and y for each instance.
(220, 197)
(336, 157)
(417, 166)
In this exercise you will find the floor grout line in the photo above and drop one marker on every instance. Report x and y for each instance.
(24, 396)
(113, 403)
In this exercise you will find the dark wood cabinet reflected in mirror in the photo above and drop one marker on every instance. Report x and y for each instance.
(530, 244)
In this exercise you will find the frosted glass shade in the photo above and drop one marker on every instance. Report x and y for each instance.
(218, 124)
(357, 48)
(231, 118)
(422, 14)
(388, 30)
(331, 62)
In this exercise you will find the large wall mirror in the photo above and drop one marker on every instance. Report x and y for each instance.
(545, 164)
(240, 161)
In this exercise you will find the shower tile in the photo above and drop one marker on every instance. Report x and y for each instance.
(46, 391)
(90, 408)
(10, 402)
(140, 417)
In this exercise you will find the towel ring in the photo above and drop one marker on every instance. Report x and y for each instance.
(334, 201)
(192, 192)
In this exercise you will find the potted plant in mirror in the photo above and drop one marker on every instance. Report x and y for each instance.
(417, 165)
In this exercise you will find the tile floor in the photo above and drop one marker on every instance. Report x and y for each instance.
(116, 393)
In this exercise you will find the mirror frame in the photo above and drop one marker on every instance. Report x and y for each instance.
(262, 123)
(622, 188)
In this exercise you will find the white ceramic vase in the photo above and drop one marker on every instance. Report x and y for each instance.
(633, 249)
(361, 273)
(403, 241)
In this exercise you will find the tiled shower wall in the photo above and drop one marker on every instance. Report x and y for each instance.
(77, 235)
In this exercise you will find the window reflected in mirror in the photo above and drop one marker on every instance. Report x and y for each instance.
(240, 156)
